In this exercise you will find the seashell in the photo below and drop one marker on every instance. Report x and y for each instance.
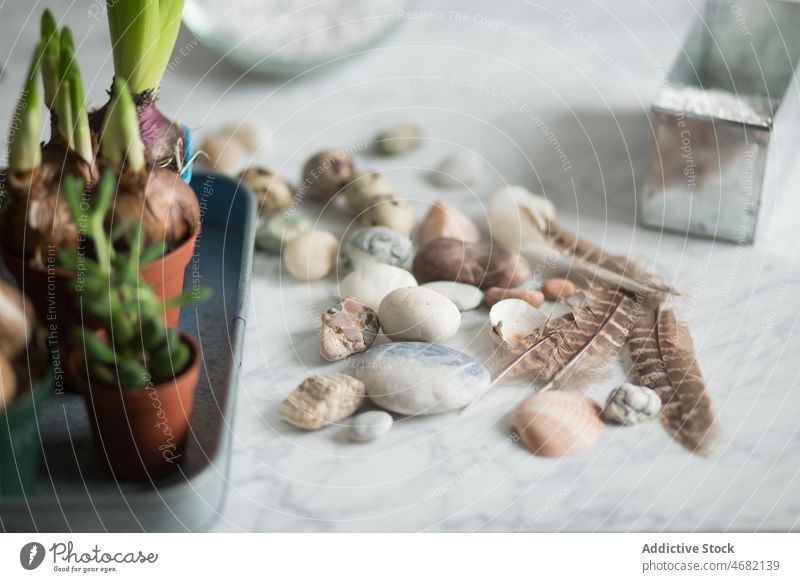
(556, 424)
(375, 244)
(371, 283)
(458, 170)
(17, 318)
(363, 189)
(321, 400)
(400, 139)
(631, 404)
(8, 382)
(391, 212)
(347, 328)
(554, 289)
(516, 216)
(325, 173)
(495, 294)
(446, 221)
(418, 314)
(514, 319)
(271, 190)
(370, 425)
(311, 255)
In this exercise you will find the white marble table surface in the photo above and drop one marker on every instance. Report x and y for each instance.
(507, 95)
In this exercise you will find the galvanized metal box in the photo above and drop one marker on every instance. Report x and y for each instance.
(722, 144)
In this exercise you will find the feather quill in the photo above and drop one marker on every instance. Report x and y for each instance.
(664, 360)
(591, 336)
(593, 261)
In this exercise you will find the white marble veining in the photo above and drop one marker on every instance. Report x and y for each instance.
(552, 100)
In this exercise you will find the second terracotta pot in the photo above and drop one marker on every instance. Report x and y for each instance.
(139, 433)
(52, 291)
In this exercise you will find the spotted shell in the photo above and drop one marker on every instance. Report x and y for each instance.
(557, 424)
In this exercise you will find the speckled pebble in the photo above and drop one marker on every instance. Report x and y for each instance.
(391, 212)
(348, 327)
(364, 189)
(368, 426)
(272, 192)
(326, 173)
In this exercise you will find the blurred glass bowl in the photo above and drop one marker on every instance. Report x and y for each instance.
(289, 37)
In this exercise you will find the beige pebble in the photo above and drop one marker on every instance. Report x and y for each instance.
(311, 255)
(251, 133)
(495, 294)
(558, 288)
(223, 153)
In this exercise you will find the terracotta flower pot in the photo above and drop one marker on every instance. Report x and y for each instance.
(52, 290)
(20, 441)
(139, 433)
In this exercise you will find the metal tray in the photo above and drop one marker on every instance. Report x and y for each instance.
(73, 492)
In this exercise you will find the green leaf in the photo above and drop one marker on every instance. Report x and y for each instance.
(153, 252)
(120, 141)
(101, 374)
(187, 298)
(131, 374)
(96, 349)
(51, 54)
(66, 115)
(81, 135)
(24, 151)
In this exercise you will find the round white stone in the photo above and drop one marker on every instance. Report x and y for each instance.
(418, 314)
(371, 283)
(464, 296)
(368, 426)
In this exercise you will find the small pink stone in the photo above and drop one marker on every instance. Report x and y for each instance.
(556, 288)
